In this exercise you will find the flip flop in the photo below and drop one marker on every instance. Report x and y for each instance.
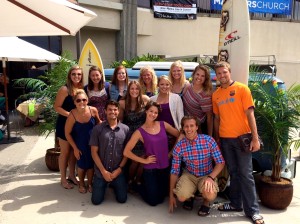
(71, 181)
(204, 211)
(188, 204)
(226, 207)
(257, 219)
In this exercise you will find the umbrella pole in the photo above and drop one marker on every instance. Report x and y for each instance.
(6, 96)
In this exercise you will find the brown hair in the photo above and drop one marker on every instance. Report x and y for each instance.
(70, 85)
(90, 82)
(222, 64)
(114, 80)
(207, 85)
(128, 98)
(154, 104)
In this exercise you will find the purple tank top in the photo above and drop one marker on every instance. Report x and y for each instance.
(156, 145)
(166, 115)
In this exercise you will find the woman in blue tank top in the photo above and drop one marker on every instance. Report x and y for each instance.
(152, 133)
(78, 129)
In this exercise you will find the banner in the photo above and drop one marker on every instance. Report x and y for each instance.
(261, 6)
(175, 9)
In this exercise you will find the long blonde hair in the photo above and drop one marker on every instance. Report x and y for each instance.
(154, 79)
(182, 77)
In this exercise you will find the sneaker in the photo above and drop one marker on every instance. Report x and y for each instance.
(2, 118)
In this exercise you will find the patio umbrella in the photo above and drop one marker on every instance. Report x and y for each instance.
(42, 17)
(15, 49)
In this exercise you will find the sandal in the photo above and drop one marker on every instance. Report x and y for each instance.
(66, 185)
(204, 211)
(257, 219)
(226, 207)
(188, 204)
(72, 181)
(82, 189)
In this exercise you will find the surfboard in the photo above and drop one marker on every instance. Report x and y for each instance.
(234, 47)
(234, 38)
(89, 57)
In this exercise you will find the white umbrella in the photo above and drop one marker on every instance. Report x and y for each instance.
(15, 49)
(42, 17)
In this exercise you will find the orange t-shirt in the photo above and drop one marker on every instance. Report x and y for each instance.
(230, 104)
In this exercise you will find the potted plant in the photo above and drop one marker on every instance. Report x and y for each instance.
(45, 89)
(277, 113)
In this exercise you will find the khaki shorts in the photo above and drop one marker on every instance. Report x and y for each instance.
(188, 184)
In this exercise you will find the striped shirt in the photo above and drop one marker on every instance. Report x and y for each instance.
(198, 155)
(196, 104)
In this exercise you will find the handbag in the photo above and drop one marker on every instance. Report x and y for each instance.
(245, 141)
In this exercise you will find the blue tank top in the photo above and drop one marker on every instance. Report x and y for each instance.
(156, 144)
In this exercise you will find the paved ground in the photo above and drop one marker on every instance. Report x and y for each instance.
(30, 193)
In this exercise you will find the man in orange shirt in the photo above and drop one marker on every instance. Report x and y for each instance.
(233, 108)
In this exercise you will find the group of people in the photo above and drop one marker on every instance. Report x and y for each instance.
(157, 136)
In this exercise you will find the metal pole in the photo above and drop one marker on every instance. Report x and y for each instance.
(6, 96)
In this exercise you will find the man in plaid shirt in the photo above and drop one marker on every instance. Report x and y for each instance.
(198, 152)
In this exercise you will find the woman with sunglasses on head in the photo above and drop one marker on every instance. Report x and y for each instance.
(132, 113)
(79, 125)
(119, 83)
(97, 90)
(63, 105)
(148, 81)
(153, 134)
(197, 98)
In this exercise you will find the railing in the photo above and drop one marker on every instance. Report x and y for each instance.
(205, 10)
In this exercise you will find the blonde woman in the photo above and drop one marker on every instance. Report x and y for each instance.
(78, 128)
(63, 105)
(177, 77)
(197, 98)
(171, 105)
(148, 81)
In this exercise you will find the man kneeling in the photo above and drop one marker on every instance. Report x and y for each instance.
(198, 152)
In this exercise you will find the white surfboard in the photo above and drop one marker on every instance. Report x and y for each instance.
(90, 57)
(234, 38)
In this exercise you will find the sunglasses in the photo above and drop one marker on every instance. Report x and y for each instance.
(80, 100)
(74, 74)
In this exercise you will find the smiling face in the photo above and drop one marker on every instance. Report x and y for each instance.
(164, 86)
(112, 112)
(152, 113)
(147, 77)
(134, 91)
(121, 75)
(176, 72)
(76, 76)
(223, 75)
(199, 77)
(190, 129)
(95, 76)
(81, 101)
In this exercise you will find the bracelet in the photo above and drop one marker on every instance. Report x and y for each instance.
(211, 177)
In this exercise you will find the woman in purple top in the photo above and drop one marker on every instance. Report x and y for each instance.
(156, 173)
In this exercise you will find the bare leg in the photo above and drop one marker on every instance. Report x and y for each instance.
(90, 175)
(81, 175)
(72, 163)
(62, 162)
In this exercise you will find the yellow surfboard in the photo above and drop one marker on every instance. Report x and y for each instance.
(90, 57)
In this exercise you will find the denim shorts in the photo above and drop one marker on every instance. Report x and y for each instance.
(188, 184)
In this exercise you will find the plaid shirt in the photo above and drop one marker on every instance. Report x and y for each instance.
(198, 155)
